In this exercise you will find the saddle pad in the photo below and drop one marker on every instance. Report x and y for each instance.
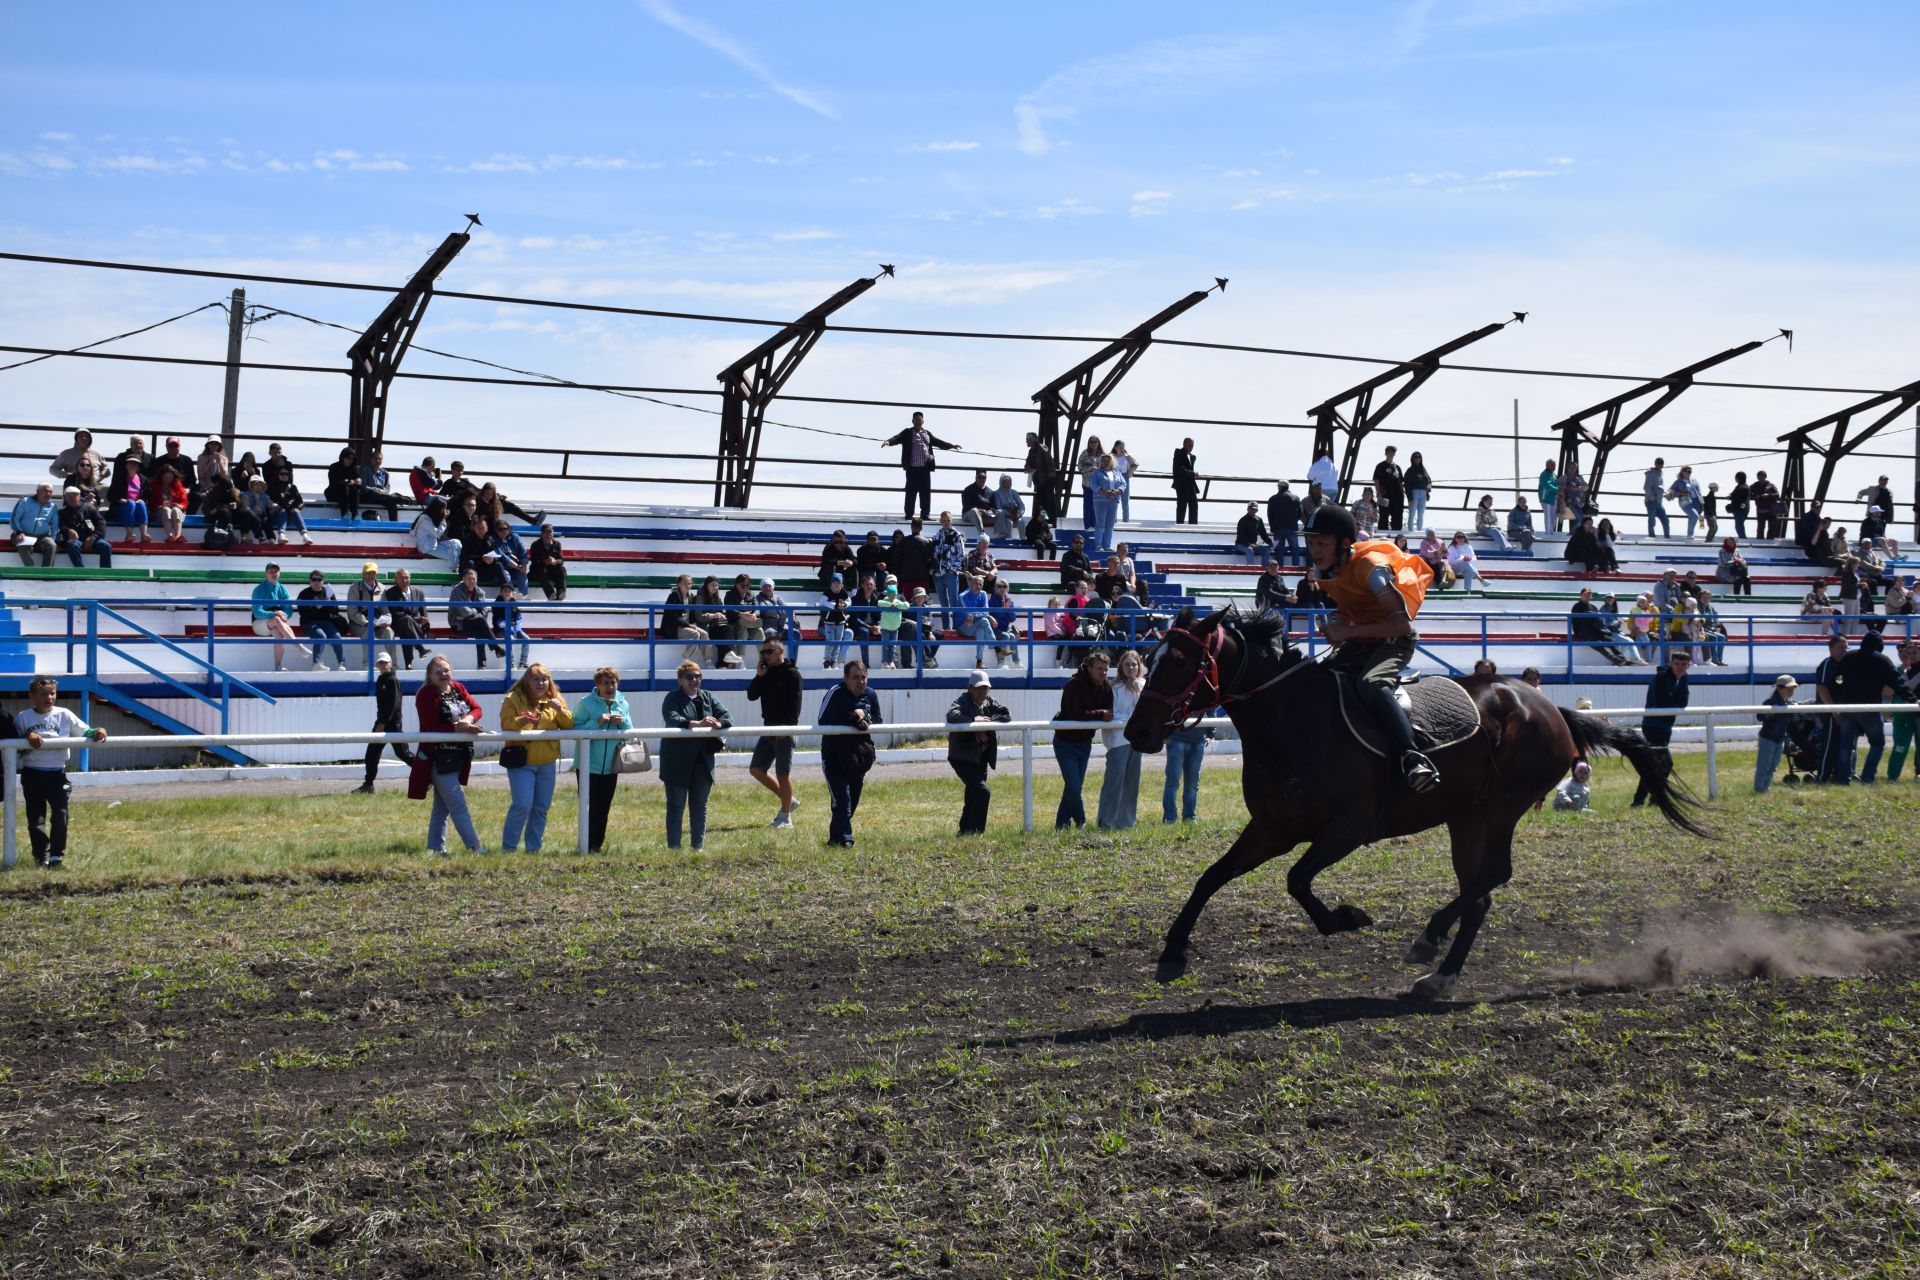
(1443, 714)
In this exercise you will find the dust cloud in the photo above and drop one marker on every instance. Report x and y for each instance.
(1750, 946)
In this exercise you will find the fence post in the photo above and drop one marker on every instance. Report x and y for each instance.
(1026, 786)
(1713, 763)
(585, 787)
(9, 844)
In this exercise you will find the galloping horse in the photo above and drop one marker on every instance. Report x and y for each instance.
(1305, 777)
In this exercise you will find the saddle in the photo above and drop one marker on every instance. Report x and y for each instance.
(1443, 713)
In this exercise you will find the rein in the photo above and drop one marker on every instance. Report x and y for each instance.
(1205, 687)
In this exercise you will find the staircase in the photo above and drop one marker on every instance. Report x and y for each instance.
(15, 657)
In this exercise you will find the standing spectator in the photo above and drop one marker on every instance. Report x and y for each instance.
(1043, 473)
(598, 759)
(1903, 721)
(1773, 733)
(1739, 503)
(533, 705)
(676, 623)
(845, 758)
(686, 764)
(1710, 510)
(1686, 491)
(973, 752)
(917, 460)
(1876, 494)
(1419, 487)
(949, 559)
(271, 607)
(374, 489)
(1588, 628)
(1366, 513)
(1008, 509)
(1250, 536)
(834, 605)
(1669, 689)
(467, 616)
(443, 705)
(1826, 692)
(1040, 536)
(1283, 519)
(1186, 751)
(366, 596)
(1653, 487)
(43, 769)
(407, 608)
(35, 521)
(546, 564)
(1086, 696)
(911, 558)
(1088, 463)
(893, 613)
(1732, 569)
(776, 686)
(1186, 485)
(1390, 486)
(387, 718)
(81, 456)
(320, 621)
(1120, 777)
(424, 480)
(1548, 492)
(1324, 473)
(81, 529)
(976, 502)
(1124, 466)
(1531, 677)
(1104, 487)
(1462, 560)
(1866, 675)
(1573, 496)
(1486, 522)
(1315, 499)
(1520, 525)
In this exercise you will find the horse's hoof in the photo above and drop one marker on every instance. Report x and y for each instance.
(1344, 919)
(1435, 986)
(1172, 966)
(1421, 951)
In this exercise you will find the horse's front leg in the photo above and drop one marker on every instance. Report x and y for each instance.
(1255, 846)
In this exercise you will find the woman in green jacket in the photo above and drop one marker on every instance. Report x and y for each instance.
(686, 764)
(604, 708)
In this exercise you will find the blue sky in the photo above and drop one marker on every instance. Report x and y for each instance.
(1654, 182)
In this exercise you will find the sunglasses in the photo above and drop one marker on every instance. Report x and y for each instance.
(769, 653)
(694, 678)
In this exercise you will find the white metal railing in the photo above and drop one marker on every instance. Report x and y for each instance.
(10, 749)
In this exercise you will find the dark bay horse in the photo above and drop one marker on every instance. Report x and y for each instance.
(1305, 778)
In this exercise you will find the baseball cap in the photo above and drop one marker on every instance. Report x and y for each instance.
(173, 439)
(979, 680)
(382, 660)
(369, 567)
(1785, 682)
(69, 490)
(919, 593)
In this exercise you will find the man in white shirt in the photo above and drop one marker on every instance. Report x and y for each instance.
(43, 770)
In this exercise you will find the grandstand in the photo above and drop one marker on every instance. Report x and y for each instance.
(164, 635)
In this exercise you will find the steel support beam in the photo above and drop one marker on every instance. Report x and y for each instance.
(1092, 381)
(1353, 411)
(1615, 426)
(1803, 440)
(749, 385)
(375, 357)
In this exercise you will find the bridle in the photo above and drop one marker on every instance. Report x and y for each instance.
(1204, 689)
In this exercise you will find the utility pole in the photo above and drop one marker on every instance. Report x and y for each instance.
(1916, 477)
(230, 404)
(1516, 449)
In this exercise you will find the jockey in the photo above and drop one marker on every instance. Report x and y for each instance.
(1377, 590)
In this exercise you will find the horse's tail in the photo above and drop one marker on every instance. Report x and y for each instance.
(1654, 765)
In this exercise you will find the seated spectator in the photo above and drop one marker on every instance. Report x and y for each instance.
(1816, 603)
(1074, 564)
(167, 500)
(374, 489)
(219, 506)
(430, 536)
(424, 480)
(212, 464)
(477, 552)
(1250, 535)
(132, 508)
(743, 622)
(980, 562)
(710, 615)
(1574, 794)
(1059, 627)
(71, 461)
(510, 556)
(321, 622)
(369, 597)
(1008, 509)
(35, 522)
(1271, 591)
(407, 612)
(495, 504)
(456, 487)
(467, 616)
(1002, 614)
(1900, 599)
(836, 557)
(1733, 569)
(773, 615)
(1434, 552)
(1642, 619)
(863, 617)
(80, 528)
(891, 613)
(1587, 627)
(676, 620)
(254, 517)
(976, 503)
(1520, 525)
(1713, 632)
(919, 633)
(343, 484)
(1608, 616)
(1040, 536)
(90, 481)
(1110, 581)
(870, 558)
(546, 565)
(1583, 546)
(1485, 667)
(271, 614)
(1462, 560)
(504, 619)
(278, 470)
(1486, 523)
(1366, 512)
(172, 457)
(131, 461)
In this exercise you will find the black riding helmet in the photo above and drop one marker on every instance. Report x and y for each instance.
(1331, 518)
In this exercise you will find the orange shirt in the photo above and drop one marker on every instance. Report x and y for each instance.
(1352, 596)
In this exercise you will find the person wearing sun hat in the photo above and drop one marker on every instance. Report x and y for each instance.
(973, 752)
(1773, 733)
(366, 599)
(388, 717)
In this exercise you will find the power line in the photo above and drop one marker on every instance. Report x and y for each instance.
(609, 309)
(115, 338)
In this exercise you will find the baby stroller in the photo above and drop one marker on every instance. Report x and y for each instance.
(1806, 739)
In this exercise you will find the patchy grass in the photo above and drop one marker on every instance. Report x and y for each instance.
(246, 1038)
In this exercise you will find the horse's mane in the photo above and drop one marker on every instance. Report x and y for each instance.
(1267, 630)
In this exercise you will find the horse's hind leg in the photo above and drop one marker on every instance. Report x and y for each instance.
(1475, 899)
(1254, 847)
(1326, 850)
(1469, 839)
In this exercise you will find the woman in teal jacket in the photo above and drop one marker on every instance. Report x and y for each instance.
(604, 708)
(686, 764)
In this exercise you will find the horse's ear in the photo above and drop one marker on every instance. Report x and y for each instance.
(1218, 617)
(1185, 621)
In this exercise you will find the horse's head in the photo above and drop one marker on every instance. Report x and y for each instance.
(1183, 682)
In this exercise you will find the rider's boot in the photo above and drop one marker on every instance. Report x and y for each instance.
(1420, 772)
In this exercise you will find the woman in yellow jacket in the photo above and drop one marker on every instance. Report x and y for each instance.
(533, 703)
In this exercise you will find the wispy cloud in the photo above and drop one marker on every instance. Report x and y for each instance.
(811, 233)
(1071, 207)
(953, 145)
(729, 48)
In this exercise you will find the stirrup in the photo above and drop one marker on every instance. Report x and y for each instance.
(1420, 772)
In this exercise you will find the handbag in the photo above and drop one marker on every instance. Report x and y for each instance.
(633, 757)
(450, 758)
(513, 756)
